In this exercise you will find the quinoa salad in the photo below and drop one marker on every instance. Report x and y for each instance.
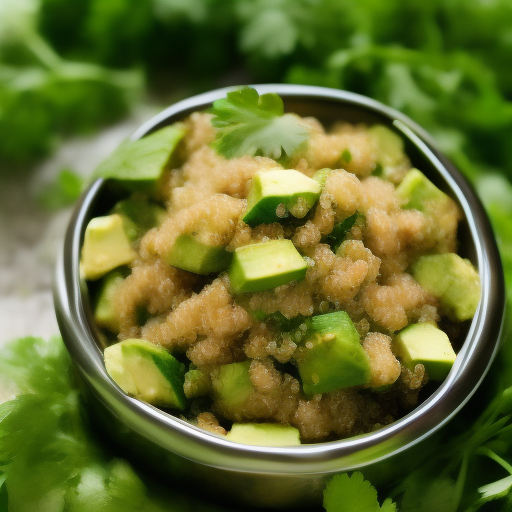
(302, 296)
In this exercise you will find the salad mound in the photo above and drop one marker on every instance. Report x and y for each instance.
(273, 281)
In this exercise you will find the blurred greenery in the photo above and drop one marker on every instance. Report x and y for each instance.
(73, 66)
(69, 66)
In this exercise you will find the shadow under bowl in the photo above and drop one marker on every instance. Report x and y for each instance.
(284, 476)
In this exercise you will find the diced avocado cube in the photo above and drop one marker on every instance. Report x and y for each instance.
(265, 265)
(104, 312)
(264, 434)
(232, 383)
(147, 372)
(425, 344)
(390, 146)
(270, 189)
(333, 356)
(453, 280)
(418, 192)
(190, 253)
(106, 246)
(197, 383)
(139, 216)
(138, 164)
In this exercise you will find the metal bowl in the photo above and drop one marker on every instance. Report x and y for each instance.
(284, 476)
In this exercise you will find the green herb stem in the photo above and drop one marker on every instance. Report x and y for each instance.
(496, 458)
(127, 80)
(461, 480)
(43, 52)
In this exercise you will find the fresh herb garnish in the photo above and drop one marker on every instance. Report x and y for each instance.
(337, 235)
(250, 124)
(346, 156)
(51, 458)
(353, 493)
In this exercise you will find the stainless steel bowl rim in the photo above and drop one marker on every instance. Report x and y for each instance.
(186, 440)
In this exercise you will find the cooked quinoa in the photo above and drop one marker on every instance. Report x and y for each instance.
(202, 322)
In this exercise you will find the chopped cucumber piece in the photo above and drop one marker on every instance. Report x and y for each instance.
(427, 345)
(189, 253)
(453, 280)
(334, 357)
(139, 216)
(273, 188)
(418, 192)
(147, 372)
(104, 312)
(264, 434)
(265, 265)
(106, 246)
(139, 164)
(232, 383)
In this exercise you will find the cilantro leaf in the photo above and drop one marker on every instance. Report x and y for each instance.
(427, 491)
(51, 459)
(143, 159)
(61, 192)
(250, 124)
(388, 506)
(270, 32)
(337, 235)
(497, 489)
(346, 493)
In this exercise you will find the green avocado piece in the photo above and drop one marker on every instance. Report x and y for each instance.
(197, 383)
(147, 372)
(425, 344)
(418, 192)
(266, 265)
(264, 434)
(390, 146)
(275, 187)
(452, 280)
(138, 164)
(139, 216)
(104, 313)
(334, 357)
(106, 246)
(232, 384)
(190, 253)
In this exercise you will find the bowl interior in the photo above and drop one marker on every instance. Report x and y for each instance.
(478, 345)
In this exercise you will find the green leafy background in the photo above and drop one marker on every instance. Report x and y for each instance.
(73, 66)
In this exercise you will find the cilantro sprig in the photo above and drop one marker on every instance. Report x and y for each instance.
(51, 458)
(250, 124)
(353, 493)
